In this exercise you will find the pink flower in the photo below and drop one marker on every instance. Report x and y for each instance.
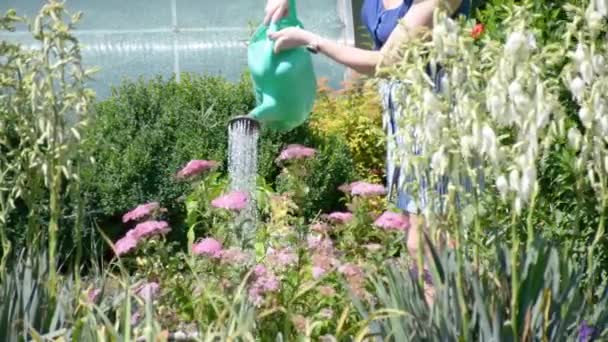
(234, 200)
(147, 291)
(125, 245)
(264, 282)
(367, 189)
(149, 228)
(320, 227)
(208, 247)
(282, 257)
(299, 322)
(326, 291)
(340, 217)
(392, 221)
(141, 211)
(318, 272)
(345, 188)
(296, 151)
(234, 256)
(195, 168)
(350, 270)
(322, 261)
(355, 277)
(93, 294)
(318, 242)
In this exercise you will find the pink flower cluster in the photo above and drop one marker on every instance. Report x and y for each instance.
(340, 217)
(141, 212)
(209, 247)
(148, 291)
(234, 200)
(323, 255)
(393, 221)
(234, 256)
(355, 277)
(296, 151)
(136, 235)
(281, 257)
(320, 227)
(195, 168)
(363, 189)
(265, 281)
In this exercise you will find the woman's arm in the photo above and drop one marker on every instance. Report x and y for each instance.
(362, 61)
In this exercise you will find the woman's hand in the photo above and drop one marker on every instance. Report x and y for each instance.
(275, 10)
(290, 38)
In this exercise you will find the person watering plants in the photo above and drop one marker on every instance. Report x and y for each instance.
(390, 23)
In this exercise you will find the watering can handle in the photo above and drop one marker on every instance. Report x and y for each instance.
(293, 15)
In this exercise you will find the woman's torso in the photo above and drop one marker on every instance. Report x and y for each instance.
(380, 21)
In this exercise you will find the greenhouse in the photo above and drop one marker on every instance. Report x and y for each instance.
(176, 36)
(304, 170)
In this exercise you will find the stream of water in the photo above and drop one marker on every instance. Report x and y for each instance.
(243, 134)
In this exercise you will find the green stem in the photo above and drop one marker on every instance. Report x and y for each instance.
(6, 249)
(529, 220)
(514, 274)
(454, 221)
(599, 234)
(54, 228)
(476, 252)
(78, 228)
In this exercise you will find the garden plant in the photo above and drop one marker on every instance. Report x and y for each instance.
(514, 251)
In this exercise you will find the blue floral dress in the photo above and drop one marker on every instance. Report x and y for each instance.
(380, 23)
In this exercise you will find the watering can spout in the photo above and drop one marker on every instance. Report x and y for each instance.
(249, 123)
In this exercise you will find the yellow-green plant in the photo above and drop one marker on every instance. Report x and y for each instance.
(354, 112)
(43, 107)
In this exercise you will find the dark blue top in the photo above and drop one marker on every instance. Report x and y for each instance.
(381, 22)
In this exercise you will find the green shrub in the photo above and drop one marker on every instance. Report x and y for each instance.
(355, 113)
(146, 131)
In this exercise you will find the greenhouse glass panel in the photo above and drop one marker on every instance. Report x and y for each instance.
(129, 39)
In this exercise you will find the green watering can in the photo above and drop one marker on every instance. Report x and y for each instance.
(284, 83)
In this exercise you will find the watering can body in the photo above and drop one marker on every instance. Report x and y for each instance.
(285, 82)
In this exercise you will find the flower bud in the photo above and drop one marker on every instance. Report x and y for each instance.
(439, 162)
(515, 42)
(586, 71)
(599, 64)
(515, 89)
(502, 185)
(579, 54)
(514, 180)
(602, 7)
(594, 19)
(430, 102)
(577, 87)
(591, 175)
(574, 138)
(586, 117)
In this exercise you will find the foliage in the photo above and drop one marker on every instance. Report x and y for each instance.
(44, 107)
(168, 123)
(146, 131)
(524, 110)
(354, 113)
(27, 304)
(553, 306)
